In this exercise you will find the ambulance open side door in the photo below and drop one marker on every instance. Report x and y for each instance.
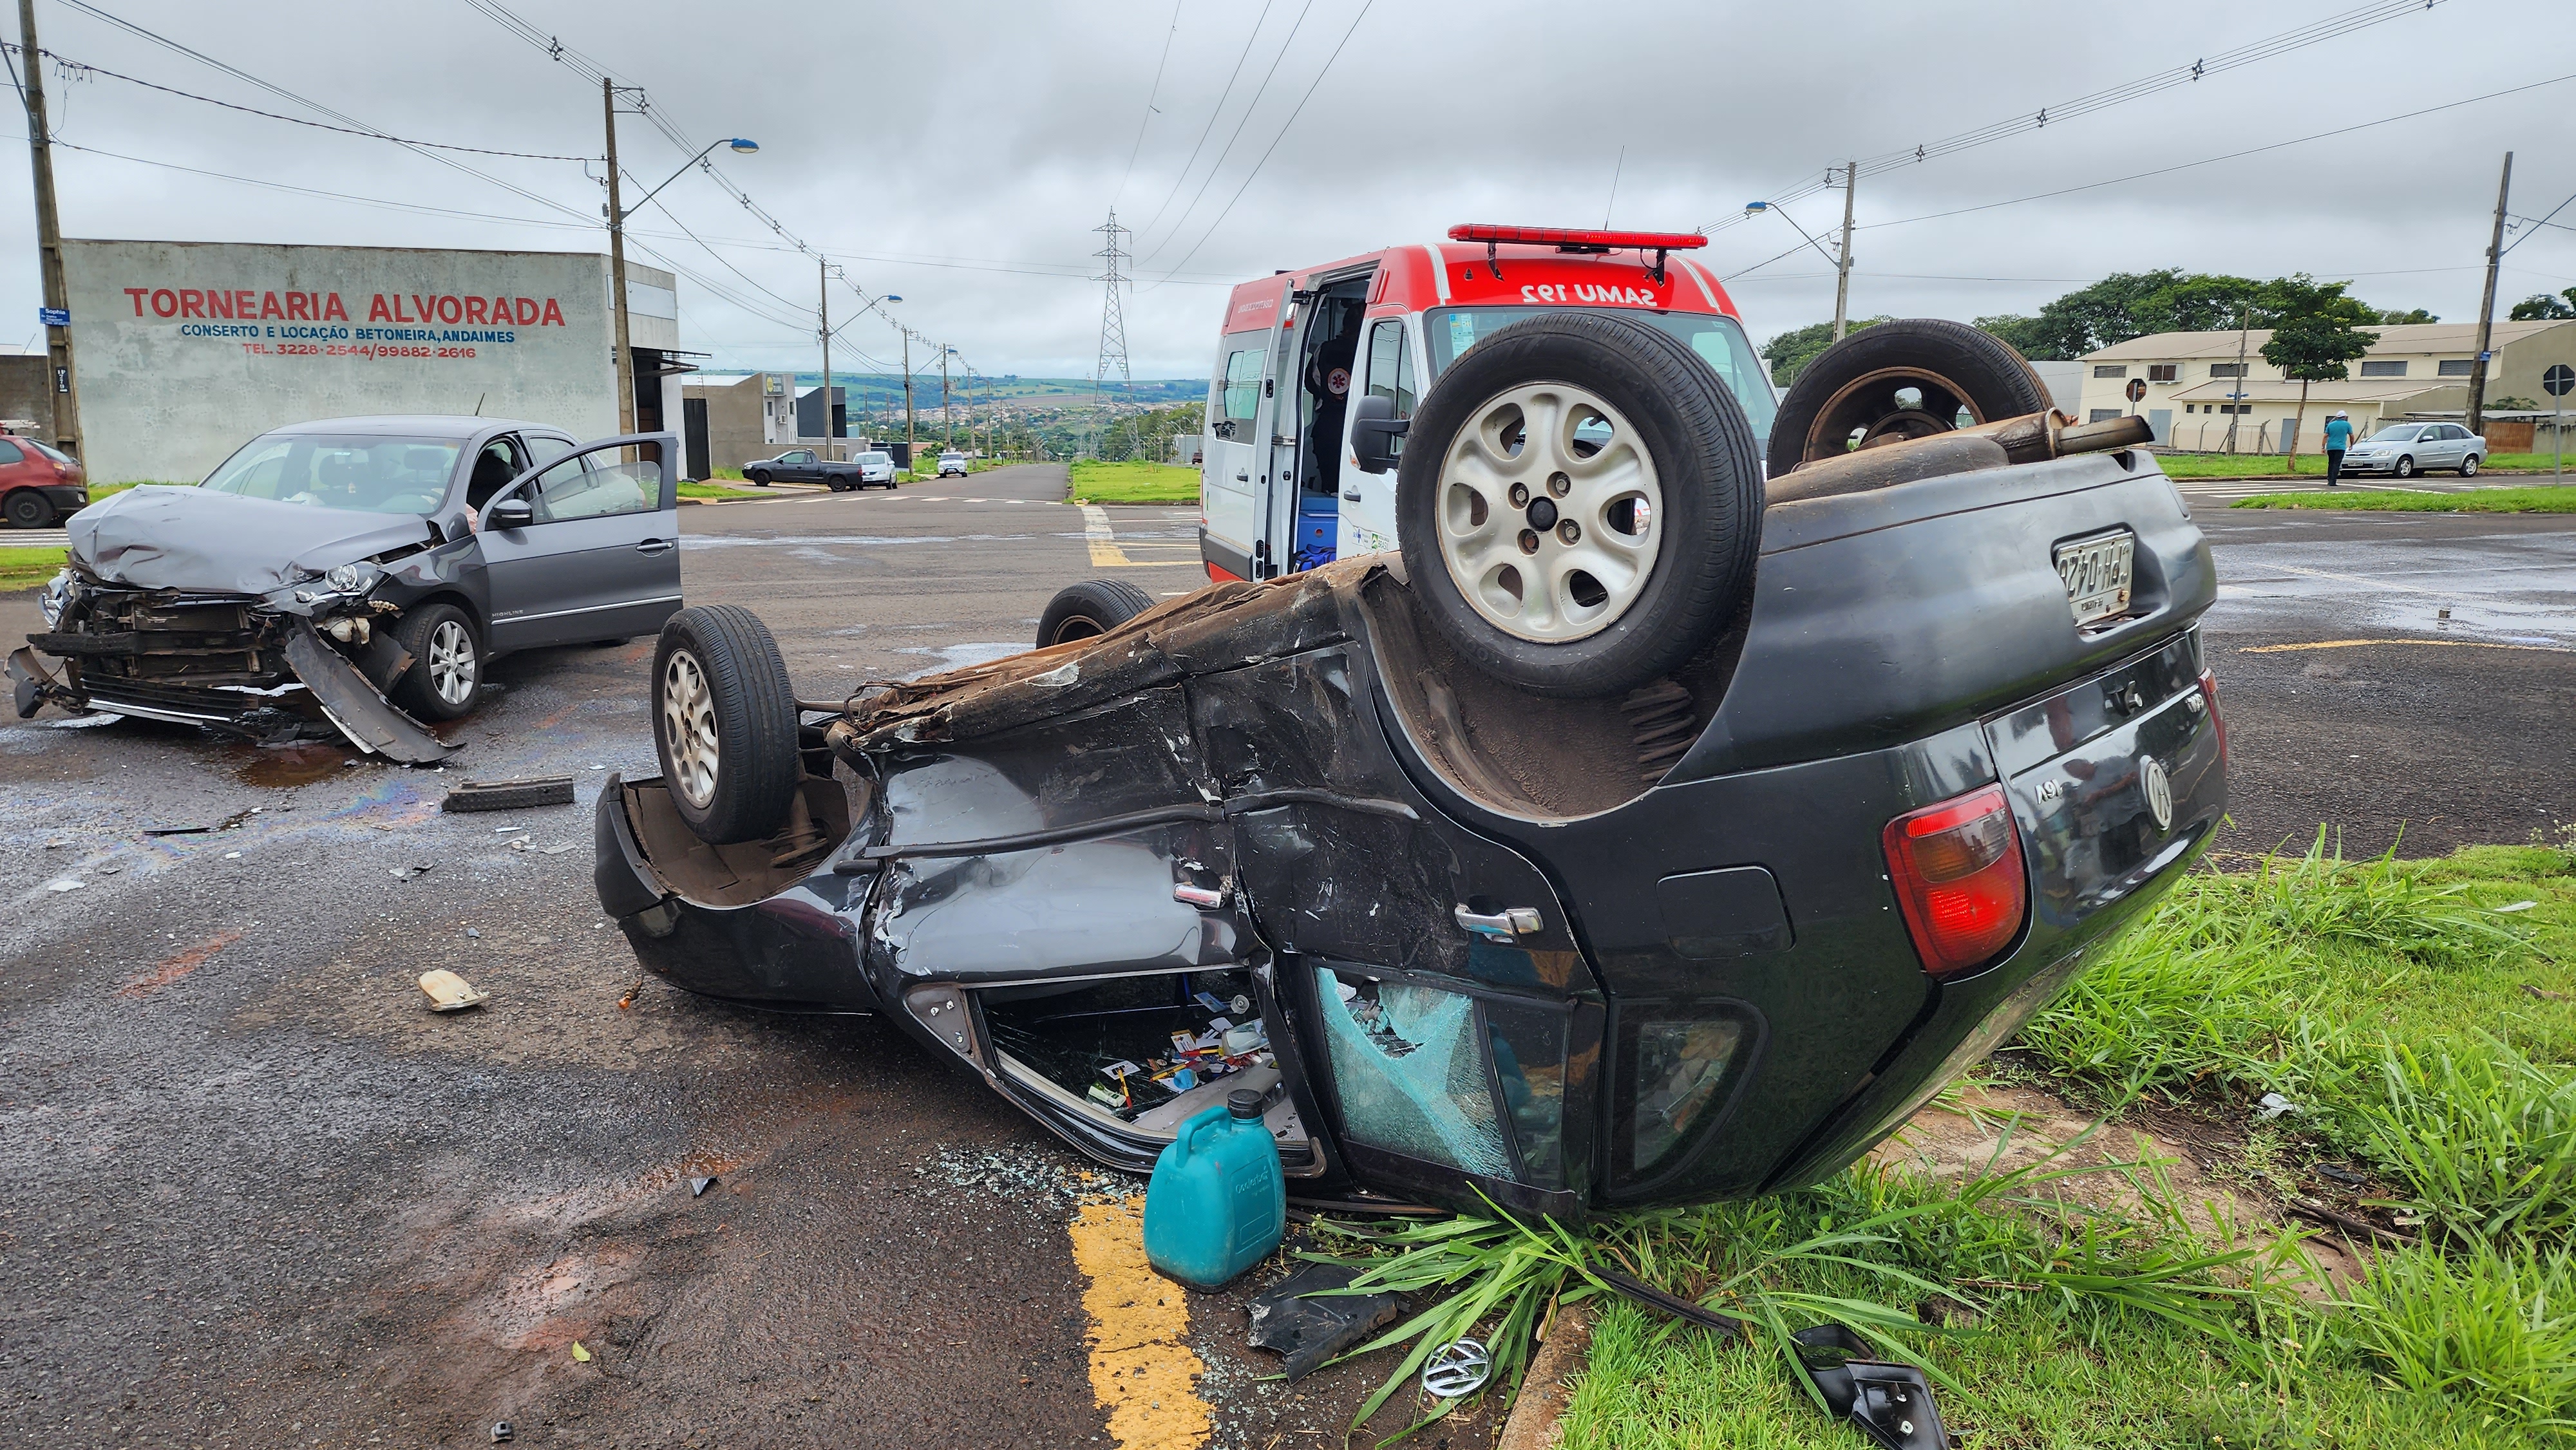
(1244, 414)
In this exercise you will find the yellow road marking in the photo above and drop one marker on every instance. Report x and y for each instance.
(1142, 1369)
(2273, 649)
(1105, 550)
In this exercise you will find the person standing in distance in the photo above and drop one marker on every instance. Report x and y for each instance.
(2338, 438)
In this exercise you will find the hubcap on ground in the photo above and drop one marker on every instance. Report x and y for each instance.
(689, 727)
(1550, 513)
(451, 661)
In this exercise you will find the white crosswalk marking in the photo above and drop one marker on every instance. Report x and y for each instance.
(34, 539)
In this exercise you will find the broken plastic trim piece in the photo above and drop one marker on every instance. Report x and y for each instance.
(365, 716)
(1301, 1320)
(1890, 1404)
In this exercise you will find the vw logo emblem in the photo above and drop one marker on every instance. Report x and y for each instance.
(2157, 787)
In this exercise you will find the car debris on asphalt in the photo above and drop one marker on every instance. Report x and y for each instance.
(1307, 1326)
(449, 992)
(508, 795)
(698, 1186)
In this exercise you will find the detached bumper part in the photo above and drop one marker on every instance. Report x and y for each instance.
(369, 720)
(32, 686)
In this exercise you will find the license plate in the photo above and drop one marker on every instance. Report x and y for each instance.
(2097, 572)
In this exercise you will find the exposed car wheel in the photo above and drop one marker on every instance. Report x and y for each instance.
(446, 675)
(1899, 380)
(760, 477)
(1088, 609)
(29, 509)
(2405, 466)
(725, 723)
(1579, 504)
(2469, 466)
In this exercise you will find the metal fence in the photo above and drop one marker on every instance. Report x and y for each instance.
(2209, 435)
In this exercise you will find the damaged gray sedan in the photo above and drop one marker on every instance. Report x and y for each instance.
(356, 577)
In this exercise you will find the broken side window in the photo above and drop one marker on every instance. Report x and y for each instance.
(1409, 1070)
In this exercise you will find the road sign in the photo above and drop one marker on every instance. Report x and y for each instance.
(2559, 381)
(2137, 389)
(54, 316)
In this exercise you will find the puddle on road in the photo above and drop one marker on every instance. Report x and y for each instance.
(283, 767)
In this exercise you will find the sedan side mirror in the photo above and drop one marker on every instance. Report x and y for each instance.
(511, 513)
(1377, 435)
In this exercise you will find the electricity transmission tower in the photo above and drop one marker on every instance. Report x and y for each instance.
(1113, 321)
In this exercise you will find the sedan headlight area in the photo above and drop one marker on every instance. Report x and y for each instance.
(57, 592)
(347, 580)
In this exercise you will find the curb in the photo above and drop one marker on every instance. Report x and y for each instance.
(772, 497)
(1545, 1388)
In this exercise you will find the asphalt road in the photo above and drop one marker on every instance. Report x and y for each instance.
(256, 1194)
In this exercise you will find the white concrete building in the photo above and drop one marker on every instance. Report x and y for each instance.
(2191, 379)
(187, 350)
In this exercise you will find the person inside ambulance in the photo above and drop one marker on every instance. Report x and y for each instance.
(1328, 394)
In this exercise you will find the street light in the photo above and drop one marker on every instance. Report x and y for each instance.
(741, 145)
(618, 212)
(1841, 265)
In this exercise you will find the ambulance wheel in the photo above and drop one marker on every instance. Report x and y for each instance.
(1898, 380)
(725, 723)
(1090, 609)
(1579, 504)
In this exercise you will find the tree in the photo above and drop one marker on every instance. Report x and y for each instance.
(2393, 318)
(1794, 349)
(2122, 306)
(2316, 331)
(2546, 306)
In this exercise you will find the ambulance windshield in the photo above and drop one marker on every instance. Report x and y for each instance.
(1449, 331)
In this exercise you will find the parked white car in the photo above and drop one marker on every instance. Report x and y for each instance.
(876, 468)
(2402, 450)
(952, 463)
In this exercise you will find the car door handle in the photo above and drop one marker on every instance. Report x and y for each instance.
(654, 546)
(1350, 495)
(1503, 925)
(1243, 475)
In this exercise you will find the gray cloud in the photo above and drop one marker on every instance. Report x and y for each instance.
(959, 154)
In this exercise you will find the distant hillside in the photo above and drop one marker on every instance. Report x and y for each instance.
(872, 390)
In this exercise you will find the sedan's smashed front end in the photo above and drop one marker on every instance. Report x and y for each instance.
(302, 652)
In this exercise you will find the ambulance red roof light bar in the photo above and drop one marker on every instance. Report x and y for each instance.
(1571, 239)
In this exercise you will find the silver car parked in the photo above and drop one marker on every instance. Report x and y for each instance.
(2403, 450)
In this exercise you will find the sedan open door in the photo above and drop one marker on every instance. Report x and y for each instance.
(586, 547)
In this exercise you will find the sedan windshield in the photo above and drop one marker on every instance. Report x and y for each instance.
(1449, 331)
(876, 458)
(365, 473)
(2397, 433)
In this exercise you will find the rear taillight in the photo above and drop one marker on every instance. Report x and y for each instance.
(1958, 876)
(2217, 722)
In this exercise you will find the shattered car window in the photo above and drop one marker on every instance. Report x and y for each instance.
(367, 473)
(1411, 1074)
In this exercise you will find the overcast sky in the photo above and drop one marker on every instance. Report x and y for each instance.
(958, 153)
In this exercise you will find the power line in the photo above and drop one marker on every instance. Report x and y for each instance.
(1151, 91)
(1240, 122)
(2169, 78)
(1213, 114)
(84, 68)
(1275, 140)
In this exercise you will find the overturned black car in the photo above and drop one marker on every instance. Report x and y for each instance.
(1701, 901)
(354, 577)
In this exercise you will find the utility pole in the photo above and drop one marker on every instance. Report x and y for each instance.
(1842, 268)
(2486, 304)
(49, 241)
(908, 443)
(2244, 323)
(823, 311)
(947, 420)
(616, 261)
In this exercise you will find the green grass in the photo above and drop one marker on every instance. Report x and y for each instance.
(25, 568)
(1134, 482)
(2313, 465)
(2544, 499)
(718, 490)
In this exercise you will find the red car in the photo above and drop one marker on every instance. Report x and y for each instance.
(38, 485)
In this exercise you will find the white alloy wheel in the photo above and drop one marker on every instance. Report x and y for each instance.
(1550, 513)
(452, 665)
(689, 727)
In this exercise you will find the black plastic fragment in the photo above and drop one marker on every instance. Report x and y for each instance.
(1674, 1305)
(509, 795)
(1310, 1331)
(1890, 1404)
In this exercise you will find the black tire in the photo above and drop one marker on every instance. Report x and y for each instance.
(1853, 386)
(1090, 609)
(1707, 471)
(2469, 466)
(743, 706)
(441, 683)
(29, 509)
(2405, 466)
(760, 476)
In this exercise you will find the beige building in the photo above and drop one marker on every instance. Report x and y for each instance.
(2192, 382)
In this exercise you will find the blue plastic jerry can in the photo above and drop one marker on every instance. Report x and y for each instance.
(1217, 1203)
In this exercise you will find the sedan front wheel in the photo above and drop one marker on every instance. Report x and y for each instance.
(445, 680)
(2405, 466)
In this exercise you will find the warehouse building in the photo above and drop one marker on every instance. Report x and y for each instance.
(187, 350)
(2194, 387)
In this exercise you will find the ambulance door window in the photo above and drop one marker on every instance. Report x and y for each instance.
(1390, 368)
(1242, 388)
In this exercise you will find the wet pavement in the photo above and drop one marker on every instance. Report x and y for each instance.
(259, 1195)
